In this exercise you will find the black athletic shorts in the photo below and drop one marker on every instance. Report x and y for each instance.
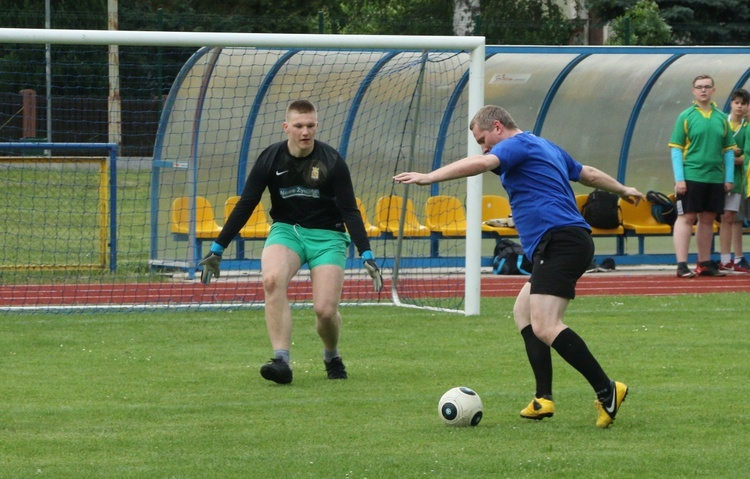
(700, 197)
(562, 257)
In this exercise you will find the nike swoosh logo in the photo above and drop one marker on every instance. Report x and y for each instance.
(611, 407)
(279, 173)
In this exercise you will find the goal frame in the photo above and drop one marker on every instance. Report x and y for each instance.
(474, 45)
(107, 205)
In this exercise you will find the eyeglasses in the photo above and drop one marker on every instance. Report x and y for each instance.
(703, 87)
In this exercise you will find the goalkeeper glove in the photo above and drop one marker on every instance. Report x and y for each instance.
(372, 270)
(211, 263)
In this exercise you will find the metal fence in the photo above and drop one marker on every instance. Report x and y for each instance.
(80, 120)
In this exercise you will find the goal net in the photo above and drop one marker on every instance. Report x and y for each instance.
(388, 104)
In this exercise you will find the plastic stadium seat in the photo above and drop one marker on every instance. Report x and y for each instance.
(445, 215)
(496, 207)
(257, 225)
(205, 224)
(640, 221)
(388, 212)
(372, 230)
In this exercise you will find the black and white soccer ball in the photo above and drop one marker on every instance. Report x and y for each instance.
(460, 406)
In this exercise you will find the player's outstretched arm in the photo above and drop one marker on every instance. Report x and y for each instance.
(596, 178)
(469, 166)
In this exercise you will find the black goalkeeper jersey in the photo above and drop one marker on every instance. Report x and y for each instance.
(314, 192)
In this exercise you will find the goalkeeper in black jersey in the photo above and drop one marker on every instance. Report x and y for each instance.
(312, 207)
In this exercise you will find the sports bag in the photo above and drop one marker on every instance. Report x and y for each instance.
(601, 210)
(662, 209)
(509, 258)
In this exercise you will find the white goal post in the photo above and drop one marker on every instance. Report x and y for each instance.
(474, 46)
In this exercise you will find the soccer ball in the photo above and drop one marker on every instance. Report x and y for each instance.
(460, 406)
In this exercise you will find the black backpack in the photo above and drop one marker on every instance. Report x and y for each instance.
(662, 209)
(601, 210)
(509, 258)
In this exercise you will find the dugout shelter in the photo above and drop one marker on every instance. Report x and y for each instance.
(389, 111)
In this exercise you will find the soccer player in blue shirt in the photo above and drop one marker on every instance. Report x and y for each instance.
(536, 174)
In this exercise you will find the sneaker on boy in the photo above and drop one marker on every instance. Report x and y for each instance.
(708, 268)
(683, 271)
(733, 267)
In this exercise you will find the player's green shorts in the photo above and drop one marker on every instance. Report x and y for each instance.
(313, 246)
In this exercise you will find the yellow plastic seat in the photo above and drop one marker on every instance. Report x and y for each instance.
(580, 201)
(496, 207)
(640, 221)
(445, 215)
(205, 223)
(388, 212)
(371, 229)
(257, 225)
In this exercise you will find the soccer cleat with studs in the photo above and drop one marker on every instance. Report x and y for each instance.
(538, 409)
(607, 409)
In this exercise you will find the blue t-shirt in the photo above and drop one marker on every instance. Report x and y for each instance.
(536, 173)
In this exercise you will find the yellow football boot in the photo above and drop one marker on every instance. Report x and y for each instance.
(607, 412)
(538, 409)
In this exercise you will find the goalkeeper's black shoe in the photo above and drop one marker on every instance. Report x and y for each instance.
(335, 368)
(277, 370)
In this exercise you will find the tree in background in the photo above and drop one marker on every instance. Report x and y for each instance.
(693, 22)
(464, 14)
(700, 22)
(512, 22)
(640, 25)
(527, 22)
(389, 17)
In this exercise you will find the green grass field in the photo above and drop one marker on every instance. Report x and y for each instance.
(178, 395)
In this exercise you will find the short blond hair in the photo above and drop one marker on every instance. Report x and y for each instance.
(488, 114)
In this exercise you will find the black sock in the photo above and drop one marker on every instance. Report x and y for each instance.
(573, 349)
(605, 395)
(540, 358)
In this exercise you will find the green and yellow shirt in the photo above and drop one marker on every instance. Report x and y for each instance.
(703, 137)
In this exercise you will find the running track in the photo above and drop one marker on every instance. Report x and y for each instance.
(597, 284)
